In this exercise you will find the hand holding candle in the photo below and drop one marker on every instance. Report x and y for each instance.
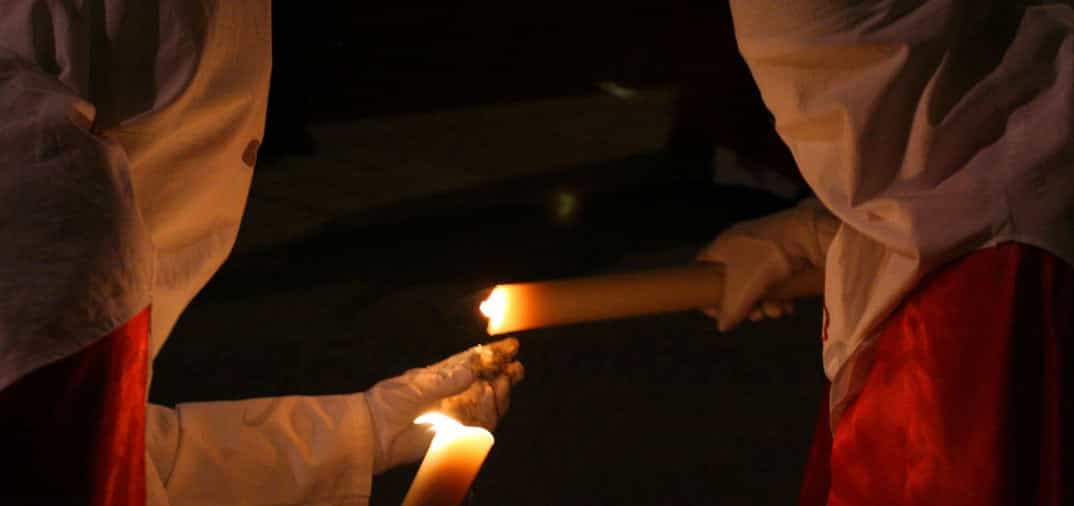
(761, 253)
(472, 386)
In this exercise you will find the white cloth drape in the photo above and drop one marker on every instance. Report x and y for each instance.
(929, 127)
(128, 131)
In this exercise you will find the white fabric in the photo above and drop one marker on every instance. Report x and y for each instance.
(759, 254)
(272, 451)
(124, 126)
(75, 260)
(318, 450)
(929, 127)
(123, 147)
(187, 153)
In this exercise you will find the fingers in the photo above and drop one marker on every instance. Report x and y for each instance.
(485, 401)
(753, 264)
(771, 309)
(475, 406)
(455, 373)
(501, 389)
(512, 374)
(515, 371)
(480, 380)
(473, 386)
(503, 350)
(490, 360)
(777, 308)
(494, 355)
(442, 380)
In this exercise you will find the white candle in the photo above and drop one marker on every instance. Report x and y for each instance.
(523, 306)
(451, 463)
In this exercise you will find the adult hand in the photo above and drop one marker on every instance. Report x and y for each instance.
(472, 386)
(759, 254)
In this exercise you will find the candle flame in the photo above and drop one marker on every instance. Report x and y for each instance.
(438, 421)
(495, 308)
(446, 427)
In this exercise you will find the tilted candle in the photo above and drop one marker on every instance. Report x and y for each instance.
(522, 306)
(451, 462)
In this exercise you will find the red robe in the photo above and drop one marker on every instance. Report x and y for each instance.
(969, 399)
(74, 430)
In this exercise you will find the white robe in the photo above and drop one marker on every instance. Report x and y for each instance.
(931, 128)
(124, 126)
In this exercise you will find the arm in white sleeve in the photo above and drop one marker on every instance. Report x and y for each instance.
(280, 450)
(318, 450)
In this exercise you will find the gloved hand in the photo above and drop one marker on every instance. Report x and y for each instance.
(473, 387)
(761, 253)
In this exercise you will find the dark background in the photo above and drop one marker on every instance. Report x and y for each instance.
(653, 411)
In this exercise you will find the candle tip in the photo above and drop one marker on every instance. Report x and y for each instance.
(436, 420)
(444, 425)
(494, 308)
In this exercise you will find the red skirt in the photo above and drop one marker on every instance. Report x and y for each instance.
(969, 400)
(73, 431)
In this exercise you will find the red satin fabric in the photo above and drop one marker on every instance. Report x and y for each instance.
(74, 431)
(817, 478)
(969, 400)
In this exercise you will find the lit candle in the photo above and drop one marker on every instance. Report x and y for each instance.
(451, 463)
(522, 306)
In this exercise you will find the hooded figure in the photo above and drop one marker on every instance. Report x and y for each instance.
(938, 137)
(128, 136)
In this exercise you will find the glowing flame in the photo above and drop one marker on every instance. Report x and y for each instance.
(495, 308)
(439, 422)
(446, 428)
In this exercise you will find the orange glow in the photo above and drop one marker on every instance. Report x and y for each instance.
(495, 308)
(452, 461)
(448, 429)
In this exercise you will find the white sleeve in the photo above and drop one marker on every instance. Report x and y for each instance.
(278, 450)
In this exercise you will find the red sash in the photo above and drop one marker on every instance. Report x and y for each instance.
(969, 400)
(73, 432)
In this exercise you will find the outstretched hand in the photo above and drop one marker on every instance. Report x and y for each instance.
(473, 386)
